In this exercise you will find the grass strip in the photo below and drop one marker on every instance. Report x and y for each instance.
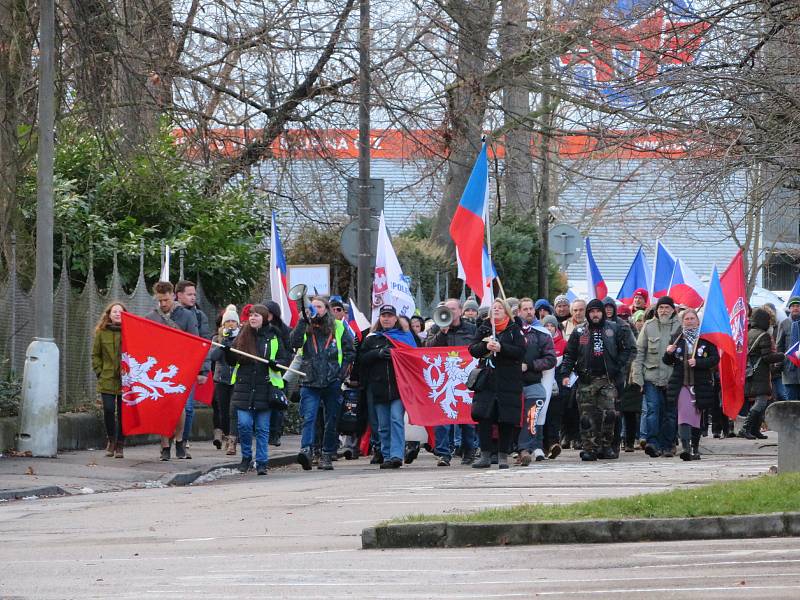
(766, 494)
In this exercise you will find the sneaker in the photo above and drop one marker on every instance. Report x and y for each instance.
(392, 463)
(180, 451)
(538, 455)
(502, 461)
(587, 456)
(444, 461)
(165, 453)
(304, 458)
(412, 452)
(685, 455)
(325, 463)
(484, 462)
(525, 458)
(468, 458)
(652, 451)
(261, 469)
(494, 458)
(555, 450)
(245, 465)
(607, 454)
(629, 449)
(760, 436)
(377, 458)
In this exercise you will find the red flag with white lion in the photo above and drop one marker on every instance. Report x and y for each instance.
(433, 384)
(159, 367)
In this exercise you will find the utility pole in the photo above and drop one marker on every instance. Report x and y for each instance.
(364, 224)
(545, 192)
(39, 417)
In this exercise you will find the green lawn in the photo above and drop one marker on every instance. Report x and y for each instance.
(767, 494)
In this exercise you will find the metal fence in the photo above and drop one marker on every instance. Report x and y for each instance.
(75, 314)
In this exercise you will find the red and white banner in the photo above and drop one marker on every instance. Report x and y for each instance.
(159, 367)
(432, 384)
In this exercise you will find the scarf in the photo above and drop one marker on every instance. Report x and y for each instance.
(398, 335)
(167, 318)
(795, 331)
(114, 327)
(691, 336)
(500, 326)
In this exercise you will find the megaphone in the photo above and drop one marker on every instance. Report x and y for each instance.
(442, 317)
(298, 294)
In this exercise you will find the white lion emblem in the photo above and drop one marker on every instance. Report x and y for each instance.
(448, 381)
(139, 386)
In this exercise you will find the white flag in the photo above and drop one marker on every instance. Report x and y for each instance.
(389, 286)
(165, 267)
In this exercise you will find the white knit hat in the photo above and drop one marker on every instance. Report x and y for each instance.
(230, 314)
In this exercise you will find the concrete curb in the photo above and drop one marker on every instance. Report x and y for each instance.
(41, 492)
(187, 477)
(460, 535)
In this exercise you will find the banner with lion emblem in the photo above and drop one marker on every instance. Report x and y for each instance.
(432, 384)
(159, 367)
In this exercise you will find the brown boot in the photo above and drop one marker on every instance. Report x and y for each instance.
(217, 438)
(230, 448)
(118, 450)
(110, 447)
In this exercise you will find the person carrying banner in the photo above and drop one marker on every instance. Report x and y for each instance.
(257, 387)
(788, 336)
(380, 383)
(597, 352)
(223, 388)
(540, 356)
(172, 314)
(276, 319)
(691, 385)
(499, 400)
(186, 293)
(761, 355)
(106, 357)
(657, 424)
(458, 333)
(327, 350)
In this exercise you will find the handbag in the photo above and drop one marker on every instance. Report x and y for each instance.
(478, 378)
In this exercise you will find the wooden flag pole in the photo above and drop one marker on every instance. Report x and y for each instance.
(259, 359)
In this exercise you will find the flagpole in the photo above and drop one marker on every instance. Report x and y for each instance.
(259, 359)
(487, 220)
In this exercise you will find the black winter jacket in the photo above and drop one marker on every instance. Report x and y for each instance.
(617, 351)
(320, 355)
(252, 390)
(503, 390)
(455, 336)
(540, 355)
(376, 371)
(760, 350)
(707, 358)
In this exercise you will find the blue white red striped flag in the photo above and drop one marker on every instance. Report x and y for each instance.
(595, 284)
(278, 283)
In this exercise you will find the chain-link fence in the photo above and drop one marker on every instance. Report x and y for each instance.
(75, 314)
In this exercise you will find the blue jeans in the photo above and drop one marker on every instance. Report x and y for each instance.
(447, 438)
(259, 419)
(391, 428)
(662, 417)
(331, 398)
(189, 409)
(778, 391)
(534, 395)
(792, 391)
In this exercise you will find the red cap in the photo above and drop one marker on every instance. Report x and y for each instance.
(245, 312)
(642, 292)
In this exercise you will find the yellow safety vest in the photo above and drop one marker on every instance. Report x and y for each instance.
(338, 332)
(274, 376)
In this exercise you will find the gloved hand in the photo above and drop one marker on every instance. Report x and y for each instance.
(385, 353)
(273, 365)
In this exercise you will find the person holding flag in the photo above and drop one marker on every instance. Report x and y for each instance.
(788, 342)
(106, 348)
(691, 384)
(257, 387)
(380, 383)
(327, 350)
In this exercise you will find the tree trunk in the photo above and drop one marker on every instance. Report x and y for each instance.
(466, 106)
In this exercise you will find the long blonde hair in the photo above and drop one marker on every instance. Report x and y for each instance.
(105, 318)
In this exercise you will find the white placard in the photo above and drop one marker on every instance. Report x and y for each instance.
(316, 277)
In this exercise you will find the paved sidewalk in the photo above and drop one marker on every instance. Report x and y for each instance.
(90, 471)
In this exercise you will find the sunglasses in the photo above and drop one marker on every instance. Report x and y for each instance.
(337, 309)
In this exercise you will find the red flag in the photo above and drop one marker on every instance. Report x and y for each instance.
(734, 290)
(432, 384)
(204, 393)
(159, 367)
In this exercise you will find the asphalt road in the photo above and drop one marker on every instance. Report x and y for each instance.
(294, 534)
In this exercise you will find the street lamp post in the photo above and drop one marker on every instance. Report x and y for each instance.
(38, 433)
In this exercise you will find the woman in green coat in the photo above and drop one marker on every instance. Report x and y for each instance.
(105, 363)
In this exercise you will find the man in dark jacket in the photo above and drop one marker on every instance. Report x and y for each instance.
(788, 335)
(540, 355)
(459, 333)
(597, 352)
(610, 307)
(186, 293)
(328, 353)
(172, 314)
(758, 386)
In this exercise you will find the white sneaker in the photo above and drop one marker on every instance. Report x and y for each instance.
(538, 455)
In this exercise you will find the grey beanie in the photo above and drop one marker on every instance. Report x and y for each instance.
(470, 304)
(559, 299)
(550, 320)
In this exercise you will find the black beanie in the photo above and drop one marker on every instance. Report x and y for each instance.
(666, 300)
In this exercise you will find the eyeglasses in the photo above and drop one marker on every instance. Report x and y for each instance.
(337, 309)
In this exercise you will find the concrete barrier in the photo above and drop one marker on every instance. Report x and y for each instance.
(784, 417)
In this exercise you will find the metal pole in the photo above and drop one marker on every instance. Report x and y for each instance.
(364, 225)
(487, 217)
(38, 432)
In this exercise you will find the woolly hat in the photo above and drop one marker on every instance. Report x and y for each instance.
(559, 299)
(666, 300)
(643, 293)
(230, 314)
(550, 320)
(793, 300)
(274, 308)
(470, 304)
(246, 312)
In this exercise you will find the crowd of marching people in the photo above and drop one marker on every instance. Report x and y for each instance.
(599, 377)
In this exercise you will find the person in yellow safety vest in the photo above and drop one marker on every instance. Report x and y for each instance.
(327, 350)
(257, 386)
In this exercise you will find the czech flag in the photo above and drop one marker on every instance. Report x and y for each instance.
(716, 328)
(686, 287)
(468, 229)
(734, 289)
(639, 277)
(662, 271)
(595, 285)
(278, 285)
(356, 320)
(792, 352)
(795, 292)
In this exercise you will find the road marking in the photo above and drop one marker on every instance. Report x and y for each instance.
(743, 588)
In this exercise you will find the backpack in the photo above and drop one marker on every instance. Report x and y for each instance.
(751, 367)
